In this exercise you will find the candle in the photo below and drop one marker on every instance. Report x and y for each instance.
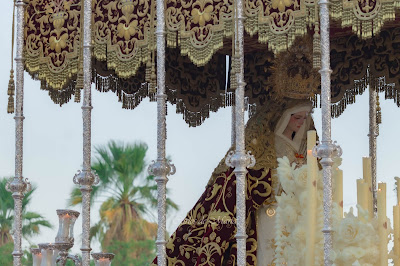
(398, 190)
(46, 257)
(362, 194)
(396, 225)
(382, 224)
(338, 193)
(37, 259)
(66, 222)
(55, 253)
(104, 262)
(312, 169)
(311, 139)
(396, 240)
(367, 174)
(367, 169)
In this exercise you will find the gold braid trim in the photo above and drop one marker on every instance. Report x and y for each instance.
(123, 35)
(279, 24)
(365, 17)
(123, 68)
(198, 27)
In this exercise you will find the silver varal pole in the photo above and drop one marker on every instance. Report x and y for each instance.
(161, 168)
(372, 139)
(86, 178)
(239, 159)
(326, 150)
(233, 131)
(18, 186)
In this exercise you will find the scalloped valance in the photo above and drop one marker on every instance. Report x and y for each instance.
(358, 63)
(123, 30)
(198, 34)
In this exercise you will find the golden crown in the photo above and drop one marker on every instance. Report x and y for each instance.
(294, 75)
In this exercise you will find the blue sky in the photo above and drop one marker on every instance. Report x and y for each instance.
(53, 143)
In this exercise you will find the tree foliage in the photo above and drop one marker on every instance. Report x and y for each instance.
(128, 194)
(31, 221)
(133, 253)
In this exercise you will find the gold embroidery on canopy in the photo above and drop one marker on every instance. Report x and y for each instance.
(365, 17)
(121, 34)
(198, 27)
(52, 40)
(123, 42)
(279, 22)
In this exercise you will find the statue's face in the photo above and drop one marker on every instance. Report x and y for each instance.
(296, 121)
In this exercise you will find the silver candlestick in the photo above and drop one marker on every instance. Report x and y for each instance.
(49, 254)
(102, 259)
(66, 220)
(65, 236)
(63, 255)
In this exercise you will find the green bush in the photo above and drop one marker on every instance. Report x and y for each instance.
(135, 252)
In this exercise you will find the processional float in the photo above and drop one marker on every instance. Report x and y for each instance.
(176, 51)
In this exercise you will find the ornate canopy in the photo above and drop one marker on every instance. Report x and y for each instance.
(281, 42)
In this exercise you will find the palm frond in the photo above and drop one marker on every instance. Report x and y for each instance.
(97, 231)
(28, 197)
(32, 222)
(6, 200)
(129, 192)
(171, 205)
(75, 197)
(31, 216)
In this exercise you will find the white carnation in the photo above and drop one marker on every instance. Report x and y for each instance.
(300, 177)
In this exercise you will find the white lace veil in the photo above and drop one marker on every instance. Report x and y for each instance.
(299, 137)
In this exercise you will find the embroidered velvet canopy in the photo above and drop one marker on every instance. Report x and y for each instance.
(199, 34)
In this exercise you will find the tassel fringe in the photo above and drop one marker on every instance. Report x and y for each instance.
(10, 92)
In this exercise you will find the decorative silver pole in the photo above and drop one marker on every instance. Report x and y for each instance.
(233, 128)
(18, 186)
(239, 159)
(86, 178)
(326, 149)
(372, 138)
(161, 168)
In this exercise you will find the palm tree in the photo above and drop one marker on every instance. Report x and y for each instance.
(31, 221)
(129, 193)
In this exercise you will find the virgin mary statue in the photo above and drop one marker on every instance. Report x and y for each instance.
(207, 234)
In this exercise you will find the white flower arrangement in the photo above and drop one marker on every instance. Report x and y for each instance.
(355, 238)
